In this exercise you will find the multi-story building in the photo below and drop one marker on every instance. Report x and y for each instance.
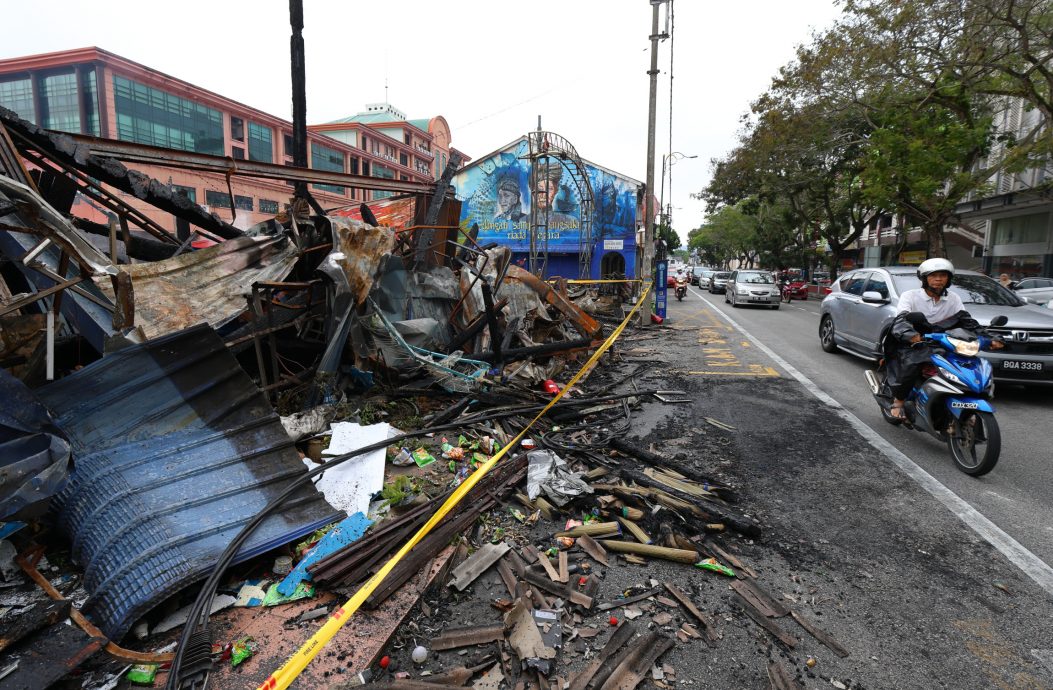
(1016, 213)
(97, 93)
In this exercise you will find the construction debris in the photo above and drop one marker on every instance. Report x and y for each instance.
(268, 421)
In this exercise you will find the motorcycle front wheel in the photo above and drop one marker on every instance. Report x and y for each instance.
(975, 442)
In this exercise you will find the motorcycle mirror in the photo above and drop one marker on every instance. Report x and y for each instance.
(1000, 320)
(915, 318)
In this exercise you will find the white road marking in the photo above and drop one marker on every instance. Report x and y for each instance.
(1033, 566)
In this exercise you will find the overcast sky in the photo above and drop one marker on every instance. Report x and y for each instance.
(490, 67)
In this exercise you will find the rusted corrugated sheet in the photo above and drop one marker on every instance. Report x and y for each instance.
(209, 285)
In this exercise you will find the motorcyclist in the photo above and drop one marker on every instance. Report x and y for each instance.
(942, 309)
(681, 283)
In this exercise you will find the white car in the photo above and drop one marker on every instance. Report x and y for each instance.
(1037, 290)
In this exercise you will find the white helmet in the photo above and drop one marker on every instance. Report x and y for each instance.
(930, 266)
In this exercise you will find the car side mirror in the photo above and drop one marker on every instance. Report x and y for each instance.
(999, 320)
(1024, 299)
(873, 297)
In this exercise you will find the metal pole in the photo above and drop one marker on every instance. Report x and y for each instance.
(299, 92)
(661, 195)
(646, 272)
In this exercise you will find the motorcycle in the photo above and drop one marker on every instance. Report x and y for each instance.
(952, 399)
(793, 288)
(681, 289)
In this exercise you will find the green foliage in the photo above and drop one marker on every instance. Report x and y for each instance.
(891, 110)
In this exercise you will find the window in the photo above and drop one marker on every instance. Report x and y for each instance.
(17, 95)
(877, 283)
(852, 283)
(403, 160)
(260, 146)
(237, 128)
(59, 103)
(406, 137)
(188, 192)
(91, 102)
(268, 206)
(217, 199)
(287, 140)
(365, 143)
(237, 153)
(381, 171)
(354, 165)
(150, 116)
(243, 203)
(365, 168)
(325, 158)
(1030, 229)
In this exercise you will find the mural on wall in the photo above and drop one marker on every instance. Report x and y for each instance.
(496, 194)
(614, 206)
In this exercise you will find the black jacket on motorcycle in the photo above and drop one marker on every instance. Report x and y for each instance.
(902, 362)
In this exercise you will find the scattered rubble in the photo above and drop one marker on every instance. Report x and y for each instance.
(214, 447)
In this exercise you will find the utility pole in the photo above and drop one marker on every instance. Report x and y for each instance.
(299, 92)
(646, 272)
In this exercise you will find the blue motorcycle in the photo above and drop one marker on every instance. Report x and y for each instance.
(952, 399)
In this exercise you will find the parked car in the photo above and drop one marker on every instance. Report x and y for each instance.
(718, 281)
(704, 275)
(858, 312)
(756, 288)
(1037, 290)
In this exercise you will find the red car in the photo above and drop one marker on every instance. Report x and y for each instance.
(797, 289)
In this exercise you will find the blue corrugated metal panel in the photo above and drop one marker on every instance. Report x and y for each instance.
(175, 449)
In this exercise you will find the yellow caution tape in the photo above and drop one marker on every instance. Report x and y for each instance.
(284, 676)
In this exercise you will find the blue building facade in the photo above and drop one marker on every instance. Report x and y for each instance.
(495, 194)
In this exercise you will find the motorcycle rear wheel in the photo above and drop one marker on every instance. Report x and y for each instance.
(975, 443)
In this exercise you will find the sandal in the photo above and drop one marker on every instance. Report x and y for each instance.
(896, 412)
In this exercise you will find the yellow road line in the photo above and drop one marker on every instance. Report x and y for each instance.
(768, 372)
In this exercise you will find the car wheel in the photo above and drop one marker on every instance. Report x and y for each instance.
(826, 334)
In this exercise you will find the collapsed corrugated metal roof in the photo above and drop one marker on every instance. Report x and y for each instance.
(175, 450)
(212, 283)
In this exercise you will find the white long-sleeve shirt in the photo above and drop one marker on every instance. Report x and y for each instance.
(934, 311)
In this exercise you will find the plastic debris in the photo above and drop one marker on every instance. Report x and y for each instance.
(419, 655)
(304, 590)
(422, 457)
(345, 532)
(549, 474)
(142, 674)
(242, 649)
(711, 564)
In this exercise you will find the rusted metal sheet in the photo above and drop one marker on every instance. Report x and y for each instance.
(357, 250)
(466, 637)
(209, 285)
(395, 212)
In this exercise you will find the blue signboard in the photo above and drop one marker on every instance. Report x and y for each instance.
(661, 272)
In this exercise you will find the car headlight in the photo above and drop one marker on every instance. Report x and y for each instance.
(740, 291)
(965, 347)
(951, 377)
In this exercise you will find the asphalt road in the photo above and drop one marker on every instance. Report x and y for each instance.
(1017, 496)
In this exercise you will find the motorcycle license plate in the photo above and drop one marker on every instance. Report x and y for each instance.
(1022, 365)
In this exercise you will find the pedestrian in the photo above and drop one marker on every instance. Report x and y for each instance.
(1004, 280)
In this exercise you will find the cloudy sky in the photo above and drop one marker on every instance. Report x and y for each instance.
(490, 67)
